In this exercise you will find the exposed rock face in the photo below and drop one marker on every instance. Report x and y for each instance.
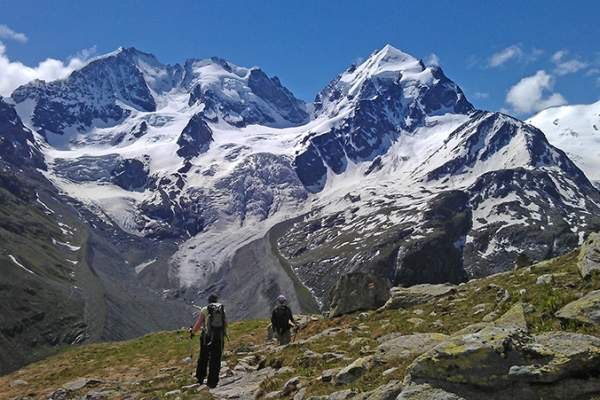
(195, 138)
(589, 255)
(436, 258)
(130, 174)
(17, 145)
(358, 291)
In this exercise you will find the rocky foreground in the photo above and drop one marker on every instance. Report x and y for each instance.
(530, 333)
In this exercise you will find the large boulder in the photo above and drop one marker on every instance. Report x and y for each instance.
(401, 297)
(589, 255)
(358, 291)
(585, 309)
(503, 361)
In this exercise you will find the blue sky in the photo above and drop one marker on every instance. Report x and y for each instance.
(511, 56)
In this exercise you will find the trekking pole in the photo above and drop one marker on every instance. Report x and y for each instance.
(191, 354)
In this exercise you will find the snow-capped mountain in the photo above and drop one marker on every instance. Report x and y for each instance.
(576, 130)
(389, 171)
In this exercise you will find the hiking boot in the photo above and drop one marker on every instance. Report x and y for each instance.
(211, 385)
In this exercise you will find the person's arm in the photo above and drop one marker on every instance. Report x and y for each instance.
(198, 325)
(296, 324)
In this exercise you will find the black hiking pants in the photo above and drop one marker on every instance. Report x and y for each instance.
(211, 348)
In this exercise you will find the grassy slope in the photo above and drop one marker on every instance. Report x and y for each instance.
(39, 308)
(146, 359)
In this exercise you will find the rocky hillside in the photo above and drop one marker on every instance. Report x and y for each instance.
(529, 333)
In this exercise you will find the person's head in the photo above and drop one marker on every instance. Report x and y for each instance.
(213, 298)
(281, 299)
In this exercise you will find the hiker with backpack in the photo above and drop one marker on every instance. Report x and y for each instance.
(280, 321)
(213, 322)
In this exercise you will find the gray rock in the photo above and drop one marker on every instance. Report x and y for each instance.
(498, 363)
(426, 392)
(343, 394)
(358, 291)
(81, 383)
(589, 255)
(410, 345)
(329, 374)
(388, 391)
(355, 370)
(585, 309)
(300, 395)
(415, 295)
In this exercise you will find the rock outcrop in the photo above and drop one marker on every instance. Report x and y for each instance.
(584, 310)
(358, 291)
(504, 361)
(401, 297)
(589, 255)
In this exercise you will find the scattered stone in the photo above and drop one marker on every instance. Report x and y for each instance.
(81, 383)
(358, 341)
(191, 387)
(108, 394)
(426, 392)
(544, 279)
(300, 394)
(18, 382)
(284, 370)
(503, 296)
(388, 391)
(329, 374)
(344, 394)
(290, 386)
(355, 370)
(332, 356)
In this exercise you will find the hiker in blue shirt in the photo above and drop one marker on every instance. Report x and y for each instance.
(280, 321)
(213, 321)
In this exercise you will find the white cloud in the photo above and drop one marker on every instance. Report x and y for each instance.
(505, 55)
(564, 67)
(527, 96)
(15, 74)
(432, 59)
(7, 33)
(480, 95)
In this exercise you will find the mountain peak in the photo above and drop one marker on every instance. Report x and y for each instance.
(391, 59)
